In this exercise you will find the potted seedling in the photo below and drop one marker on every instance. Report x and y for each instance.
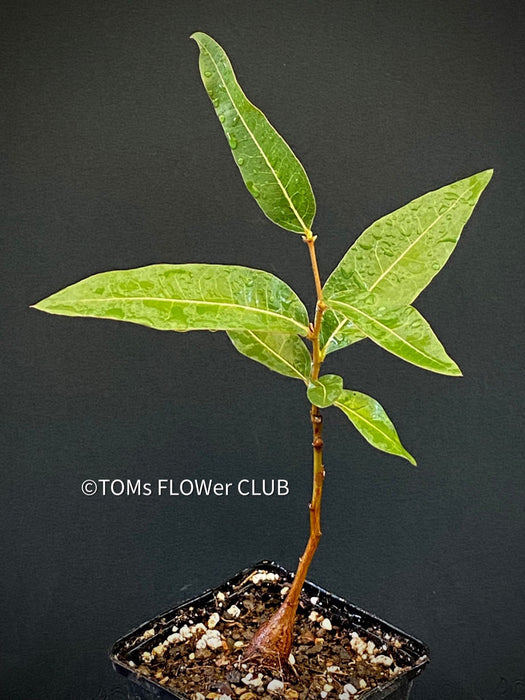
(244, 651)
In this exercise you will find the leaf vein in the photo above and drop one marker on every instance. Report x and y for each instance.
(261, 151)
(416, 240)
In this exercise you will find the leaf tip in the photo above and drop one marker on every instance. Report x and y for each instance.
(455, 371)
(411, 459)
(199, 38)
(483, 178)
(39, 305)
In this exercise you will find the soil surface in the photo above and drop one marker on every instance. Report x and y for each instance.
(199, 653)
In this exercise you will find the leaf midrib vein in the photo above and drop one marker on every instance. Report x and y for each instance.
(416, 240)
(274, 173)
(279, 357)
(332, 335)
(373, 426)
(192, 301)
(390, 330)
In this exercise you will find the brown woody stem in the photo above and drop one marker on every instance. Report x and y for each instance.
(272, 643)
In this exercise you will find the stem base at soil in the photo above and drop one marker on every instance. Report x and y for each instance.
(272, 643)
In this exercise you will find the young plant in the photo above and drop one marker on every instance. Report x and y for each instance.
(368, 295)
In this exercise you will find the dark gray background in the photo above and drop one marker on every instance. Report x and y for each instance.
(112, 158)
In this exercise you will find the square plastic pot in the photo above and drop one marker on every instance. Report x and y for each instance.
(414, 654)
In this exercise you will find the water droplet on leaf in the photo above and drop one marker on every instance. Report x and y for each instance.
(252, 189)
(240, 161)
(232, 141)
(222, 118)
(207, 73)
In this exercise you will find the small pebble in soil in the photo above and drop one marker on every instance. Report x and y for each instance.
(358, 645)
(383, 660)
(275, 686)
(211, 639)
(213, 620)
(259, 576)
(326, 624)
(350, 689)
(233, 611)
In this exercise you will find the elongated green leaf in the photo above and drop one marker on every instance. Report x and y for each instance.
(269, 168)
(402, 331)
(337, 332)
(398, 255)
(371, 420)
(283, 353)
(325, 390)
(185, 298)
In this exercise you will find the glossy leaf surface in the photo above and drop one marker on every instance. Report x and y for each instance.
(398, 255)
(271, 172)
(337, 332)
(283, 353)
(371, 420)
(185, 298)
(325, 391)
(402, 331)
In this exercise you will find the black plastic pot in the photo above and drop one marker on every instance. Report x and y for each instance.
(127, 651)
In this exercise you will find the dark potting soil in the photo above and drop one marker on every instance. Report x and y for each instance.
(200, 653)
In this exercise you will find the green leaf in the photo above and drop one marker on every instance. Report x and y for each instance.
(269, 168)
(337, 332)
(371, 420)
(402, 331)
(186, 298)
(399, 255)
(325, 391)
(286, 354)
